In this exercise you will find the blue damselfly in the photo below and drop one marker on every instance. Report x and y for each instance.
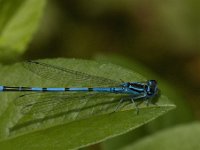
(142, 91)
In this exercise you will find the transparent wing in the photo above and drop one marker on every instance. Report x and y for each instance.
(64, 75)
(42, 107)
(47, 103)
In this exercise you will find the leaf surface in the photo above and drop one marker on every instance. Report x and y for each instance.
(69, 121)
(19, 20)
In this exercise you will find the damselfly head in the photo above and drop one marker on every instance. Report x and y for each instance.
(151, 87)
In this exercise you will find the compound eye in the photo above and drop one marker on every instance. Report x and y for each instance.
(149, 90)
(151, 87)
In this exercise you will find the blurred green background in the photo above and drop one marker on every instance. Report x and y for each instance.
(163, 36)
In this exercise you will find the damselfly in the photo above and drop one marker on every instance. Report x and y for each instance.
(142, 91)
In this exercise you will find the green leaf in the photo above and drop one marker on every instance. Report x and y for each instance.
(19, 20)
(184, 137)
(75, 122)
